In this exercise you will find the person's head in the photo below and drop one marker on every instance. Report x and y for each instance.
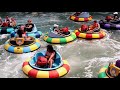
(55, 26)
(50, 48)
(117, 63)
(95, 21)
(7, 17)
(22, 27)
(12, 19)
(29, 21)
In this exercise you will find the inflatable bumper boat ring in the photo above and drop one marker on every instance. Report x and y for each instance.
(28, 46)
(108, 25)
(60, 40)
(60, 68)
(78, 19)
(95, 35)
(109, 71)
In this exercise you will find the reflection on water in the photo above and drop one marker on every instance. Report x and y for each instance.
(85, 57)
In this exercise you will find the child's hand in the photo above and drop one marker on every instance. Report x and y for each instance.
(48, 61)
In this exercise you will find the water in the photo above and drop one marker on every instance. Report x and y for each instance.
(85, 57)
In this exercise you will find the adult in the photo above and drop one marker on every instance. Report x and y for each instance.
(13, 22)
(29, 26)
(56, 28)
(115, 16)
(108, 18)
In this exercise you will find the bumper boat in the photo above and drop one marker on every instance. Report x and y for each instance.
(59, 39)
(92, 31)
(109, 71)
(96, 35)
(21, 45)
(60, 67)
(6, 30)
(83, 17)
(34, 33)
(114, 25)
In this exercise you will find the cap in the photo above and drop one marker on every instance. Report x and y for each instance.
(55, 25)
(115, 13)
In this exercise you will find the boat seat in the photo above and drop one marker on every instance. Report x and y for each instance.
(113, 70)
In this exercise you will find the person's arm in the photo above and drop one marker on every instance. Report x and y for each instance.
(1, 23)
(52, 55)
(98, 26)
(30, 26)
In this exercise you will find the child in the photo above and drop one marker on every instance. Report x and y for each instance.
(48, 58)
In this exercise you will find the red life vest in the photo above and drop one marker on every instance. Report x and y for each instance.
(84, 27)
(42, 61)
(95, 25)
(5, 24)
(65, 29)
(108, 18)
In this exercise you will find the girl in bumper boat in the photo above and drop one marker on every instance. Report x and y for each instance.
(21, 32)
(48, 59)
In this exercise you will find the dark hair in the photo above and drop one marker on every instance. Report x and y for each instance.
(117, 63)
(50, 49)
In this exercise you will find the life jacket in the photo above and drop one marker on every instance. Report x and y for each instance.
(41, 61)
(108, 18)
(84, 27)
(5, 24)
(65, 29)
(95, 25)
